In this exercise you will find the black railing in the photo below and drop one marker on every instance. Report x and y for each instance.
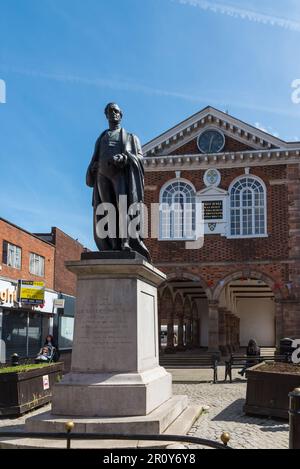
(69, 436)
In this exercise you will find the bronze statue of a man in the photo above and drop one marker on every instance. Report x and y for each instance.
(116, 170)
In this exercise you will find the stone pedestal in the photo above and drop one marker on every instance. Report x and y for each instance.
(115, 370)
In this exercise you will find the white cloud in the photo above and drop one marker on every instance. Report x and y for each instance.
(268, 129)
(124, 85)
(244, 14)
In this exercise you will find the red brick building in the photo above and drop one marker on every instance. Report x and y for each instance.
(39, 258)
(18, 245)
(66, 248)
(244, 282)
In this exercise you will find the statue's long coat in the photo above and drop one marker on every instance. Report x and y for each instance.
(134, 175)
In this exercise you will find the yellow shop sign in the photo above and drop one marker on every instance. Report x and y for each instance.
(31, 292)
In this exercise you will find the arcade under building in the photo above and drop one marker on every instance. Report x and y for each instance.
(244, 282)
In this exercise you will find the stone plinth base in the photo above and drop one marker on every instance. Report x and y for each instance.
(112, 395)
(154, 423)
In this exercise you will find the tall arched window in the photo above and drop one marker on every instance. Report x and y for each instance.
(248, 207)
(177, 211)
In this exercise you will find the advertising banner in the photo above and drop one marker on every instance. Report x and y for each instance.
(32, 293)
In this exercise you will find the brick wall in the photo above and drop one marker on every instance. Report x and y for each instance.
(66, 249)
(217, 248)
(28, 243)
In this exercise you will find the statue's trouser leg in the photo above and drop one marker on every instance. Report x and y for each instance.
(107, 195)
(120, 187)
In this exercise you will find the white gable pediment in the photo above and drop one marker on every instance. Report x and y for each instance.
(212, 191)
(210, 117)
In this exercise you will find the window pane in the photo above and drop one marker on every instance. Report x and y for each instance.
(37, 265)
(247, 203)
(178, 219)
(12, 255)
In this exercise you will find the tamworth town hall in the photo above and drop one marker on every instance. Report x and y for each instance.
(245, 281)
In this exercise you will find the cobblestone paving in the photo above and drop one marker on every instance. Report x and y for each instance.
(226, 414)
(17, 423)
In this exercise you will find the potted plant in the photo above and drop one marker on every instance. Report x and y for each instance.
(268, 386)
(26, 387)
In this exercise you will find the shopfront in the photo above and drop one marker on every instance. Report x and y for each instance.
(23, 329)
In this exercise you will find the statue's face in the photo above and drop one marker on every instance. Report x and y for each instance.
(113, 113)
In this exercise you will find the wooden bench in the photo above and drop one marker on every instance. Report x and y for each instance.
(239, 361)
(205, 361)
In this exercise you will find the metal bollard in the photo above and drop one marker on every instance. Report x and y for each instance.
(69, 427)
(225, 438)
(14, 359)
(294, 419)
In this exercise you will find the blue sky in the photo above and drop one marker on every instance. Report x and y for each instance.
(161, 60)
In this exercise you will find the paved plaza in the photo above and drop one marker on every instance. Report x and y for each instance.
(225, 401)
(225, 413)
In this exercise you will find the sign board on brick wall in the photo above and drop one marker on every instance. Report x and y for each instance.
(215, 209)
(59, 303)
(32, 293)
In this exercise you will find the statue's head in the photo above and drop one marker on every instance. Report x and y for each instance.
(113, 112)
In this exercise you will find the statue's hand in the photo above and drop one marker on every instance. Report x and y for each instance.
(120, 160)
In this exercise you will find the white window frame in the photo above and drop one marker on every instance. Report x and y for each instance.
(229, 208)
(13, 249)
(162, 190)
(36, 258)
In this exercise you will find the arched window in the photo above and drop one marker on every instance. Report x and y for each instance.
(248, 207)
(177, 211)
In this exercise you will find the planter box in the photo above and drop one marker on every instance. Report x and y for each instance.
(23, 391)
(268, 386)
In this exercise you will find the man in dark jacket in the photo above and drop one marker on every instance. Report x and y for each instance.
(116, 173)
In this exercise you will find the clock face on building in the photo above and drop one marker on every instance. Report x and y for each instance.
(211, 141)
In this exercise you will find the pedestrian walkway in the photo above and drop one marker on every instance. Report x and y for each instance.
(225, 413)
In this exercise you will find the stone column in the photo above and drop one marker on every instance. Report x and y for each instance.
(213, 326)
(170, 336)
(234, 333)
(195, 332)
(180, 345)
(227, 331)
(222, 331)
(188, 329)
(231, 322)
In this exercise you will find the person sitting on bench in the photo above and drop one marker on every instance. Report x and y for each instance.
(252, 350)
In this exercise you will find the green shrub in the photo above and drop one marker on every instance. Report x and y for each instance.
(23, 368)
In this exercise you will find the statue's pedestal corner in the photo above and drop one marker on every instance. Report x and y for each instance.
(155, 423)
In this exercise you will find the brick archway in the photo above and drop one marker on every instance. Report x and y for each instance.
(278, 294)
(193, 278)
(245, 308)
